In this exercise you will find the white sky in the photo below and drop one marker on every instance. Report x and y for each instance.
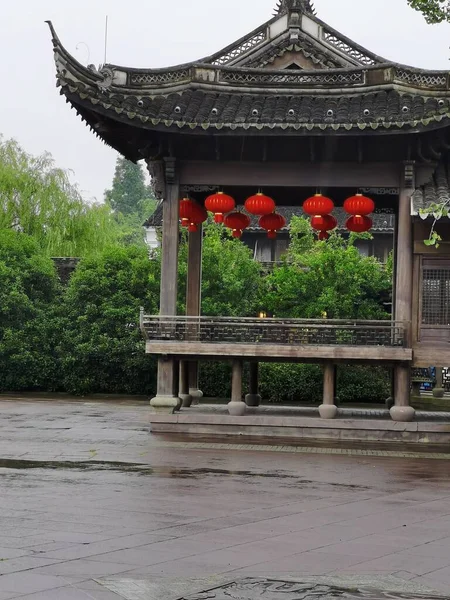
(157, 33)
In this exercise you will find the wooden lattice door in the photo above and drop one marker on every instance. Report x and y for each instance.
(434, 323)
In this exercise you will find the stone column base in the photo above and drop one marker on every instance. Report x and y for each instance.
(403, 414)
(328, 411)
(186, 400)
(253, 399)
(196, 394)
(165, 404)
(438, 392)
(236, 409)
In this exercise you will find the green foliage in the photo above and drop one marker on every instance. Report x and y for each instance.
(231, 280)
(434, 11)
(300, 383)
(131, 200)
(28, 324)
(356, 383)
(38, 199)
(129, 194)
(102, 349)
(331, 279)
(281, 383)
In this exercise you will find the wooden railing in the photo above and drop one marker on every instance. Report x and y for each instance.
(291, 332)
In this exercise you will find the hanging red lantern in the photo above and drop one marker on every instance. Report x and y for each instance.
(359, 205)
(186, 208)
(323, 236)
(359, 224)
(318, 205)
(324, 223)
(219, 204)
(272, 223)
(259, 205)
(198, 216)
(237, 221)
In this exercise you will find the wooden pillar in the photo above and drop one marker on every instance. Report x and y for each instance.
(402, 411)
(328, 410)
(236, 407)
(438, 390)
(193, 300)
(253, 398)
(184, 395)
(166, 399)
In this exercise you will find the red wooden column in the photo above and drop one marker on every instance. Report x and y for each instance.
(166, 399)
(402, 411)
(193, 301)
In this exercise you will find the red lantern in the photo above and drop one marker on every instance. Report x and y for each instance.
(198, 216)
(318, 205)
(186, 208)
(237, 221)
(259, 205)
(359, 224)
(272, 223)
(359, 205)
(324, 223)
(219, 204)
(323, 236)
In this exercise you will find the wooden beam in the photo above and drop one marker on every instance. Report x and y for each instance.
(315, 353)
(326, 174)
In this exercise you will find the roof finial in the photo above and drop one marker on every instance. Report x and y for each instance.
(284, 6)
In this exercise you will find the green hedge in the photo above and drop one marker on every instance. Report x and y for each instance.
(300, 383)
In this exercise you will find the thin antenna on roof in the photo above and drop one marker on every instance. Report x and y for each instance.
(106, 37)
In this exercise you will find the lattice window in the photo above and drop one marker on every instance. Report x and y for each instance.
(354, 77)
(345, 48)
(155, 78)
(446, 379)
(436, 296)
(431, 80)
(241, 49)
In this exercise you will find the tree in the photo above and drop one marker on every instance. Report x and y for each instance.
(129, 194)
(28, 321)
(39, 200)
(102, 349)
(231, 280)
(434, 11)
(330, 279)
(131, 200)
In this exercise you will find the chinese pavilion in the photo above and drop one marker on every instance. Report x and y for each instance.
(291, 108)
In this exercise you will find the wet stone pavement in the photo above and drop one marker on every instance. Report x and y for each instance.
(92, 506)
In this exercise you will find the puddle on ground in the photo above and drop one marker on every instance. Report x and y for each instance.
(318, 588)
(162, 471)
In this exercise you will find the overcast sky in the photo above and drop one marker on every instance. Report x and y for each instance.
(158, 33)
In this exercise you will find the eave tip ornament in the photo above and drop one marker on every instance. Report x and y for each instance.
(284, 6)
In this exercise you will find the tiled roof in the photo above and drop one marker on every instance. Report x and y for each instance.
(198, 109)
(436, 191)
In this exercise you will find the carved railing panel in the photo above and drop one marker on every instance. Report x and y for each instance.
(159, 78)
(241, 48)
(330, 78)
(429, 79)
(354, 53)
(290, 332)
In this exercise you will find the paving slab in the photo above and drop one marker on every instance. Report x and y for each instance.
(93, 505)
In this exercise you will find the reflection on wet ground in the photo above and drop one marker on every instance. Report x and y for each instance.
(88, 495)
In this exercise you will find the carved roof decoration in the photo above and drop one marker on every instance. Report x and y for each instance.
(285, 6)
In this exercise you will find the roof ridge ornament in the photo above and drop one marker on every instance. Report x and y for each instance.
(284, 6)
